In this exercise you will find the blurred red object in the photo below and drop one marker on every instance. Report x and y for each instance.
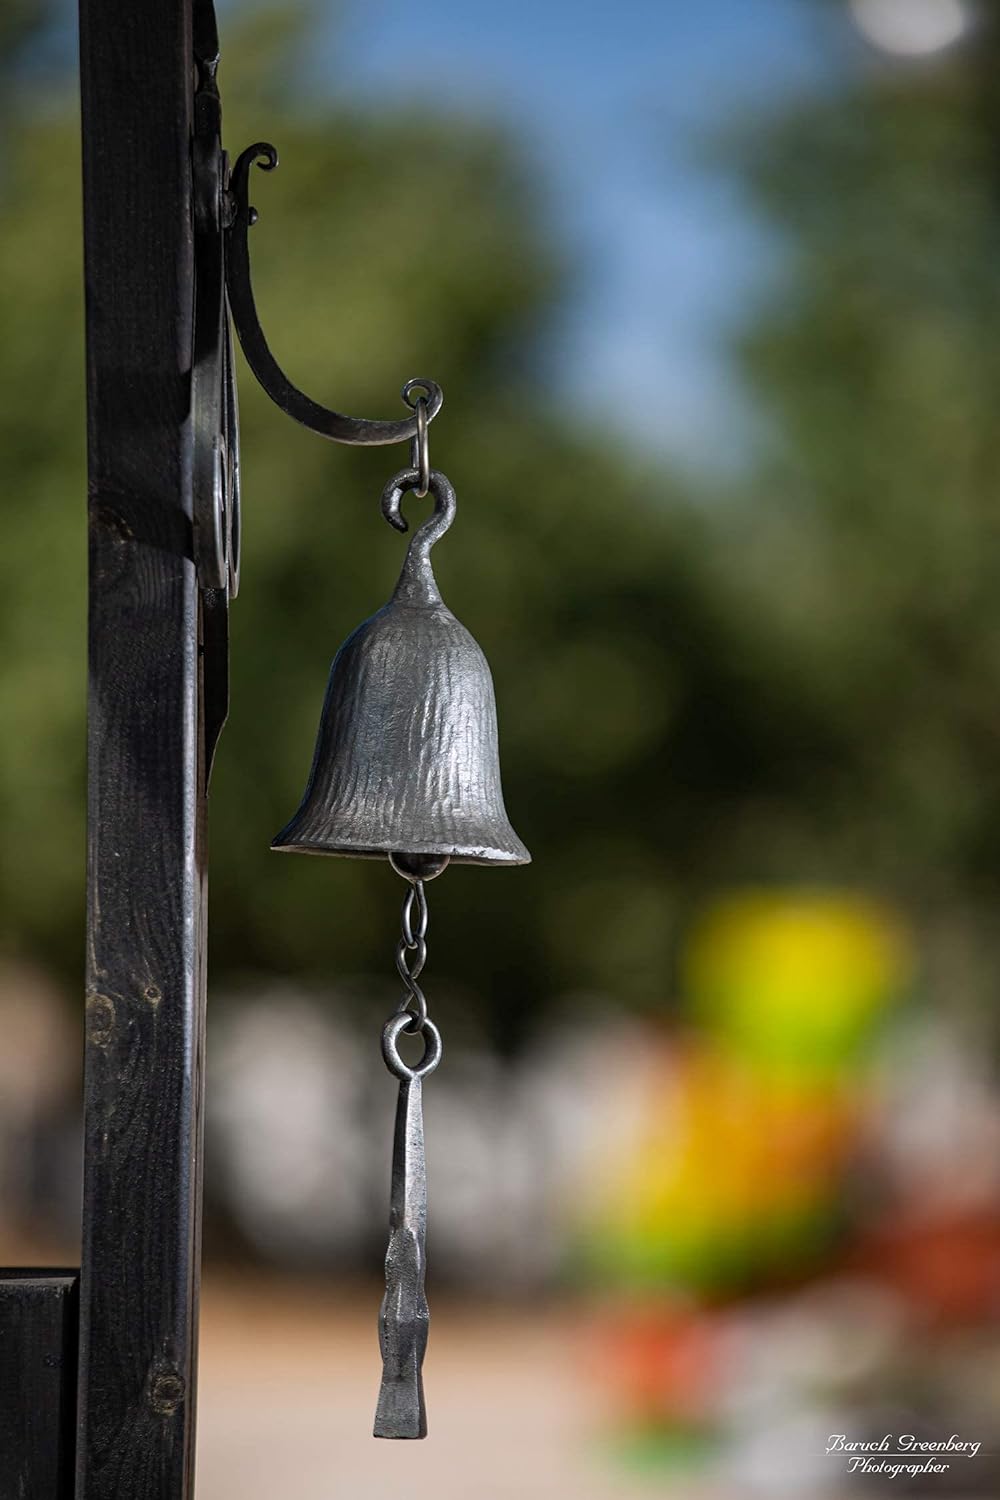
(660, 1361)
(947, 1269)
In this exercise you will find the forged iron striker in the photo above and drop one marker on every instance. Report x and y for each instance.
(404, 1316)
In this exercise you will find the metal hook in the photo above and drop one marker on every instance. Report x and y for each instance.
(329, 424)
(445, 505)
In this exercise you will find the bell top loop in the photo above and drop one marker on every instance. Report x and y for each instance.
(417, 584)
(445, 505)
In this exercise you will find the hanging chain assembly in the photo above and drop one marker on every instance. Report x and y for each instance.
(404, 1316)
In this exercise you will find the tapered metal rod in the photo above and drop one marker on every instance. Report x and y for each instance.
(404, 1316)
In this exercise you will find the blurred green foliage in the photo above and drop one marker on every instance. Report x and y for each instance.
(367, 271)
(796, 679)
(870, 532)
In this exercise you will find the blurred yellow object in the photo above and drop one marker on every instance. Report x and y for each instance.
(743, 1133)
(731, 1171)
(795, 979)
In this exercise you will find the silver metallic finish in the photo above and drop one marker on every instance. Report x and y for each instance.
(406, 760)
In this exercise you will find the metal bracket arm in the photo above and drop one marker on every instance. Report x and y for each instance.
(239, 218)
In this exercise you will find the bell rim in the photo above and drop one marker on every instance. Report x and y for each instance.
(456, 856)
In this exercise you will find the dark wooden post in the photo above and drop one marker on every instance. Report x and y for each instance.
(145, 933)
(38, 1317)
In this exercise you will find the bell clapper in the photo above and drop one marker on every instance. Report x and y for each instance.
(404, 1316)
(419, 867)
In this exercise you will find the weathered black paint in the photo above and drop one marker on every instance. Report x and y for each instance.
(38, 1329)
(145, 932)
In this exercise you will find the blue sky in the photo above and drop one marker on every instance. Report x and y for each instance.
(609, 99)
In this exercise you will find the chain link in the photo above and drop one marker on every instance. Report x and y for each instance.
(411, 955)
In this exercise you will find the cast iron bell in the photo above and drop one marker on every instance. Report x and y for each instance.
(406, 760)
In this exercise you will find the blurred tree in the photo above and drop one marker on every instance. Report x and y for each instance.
(576, 568)
(867, 550)
(795, 681)
(43, 592)
(20, 21)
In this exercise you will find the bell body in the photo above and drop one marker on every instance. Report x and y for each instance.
(407, 760)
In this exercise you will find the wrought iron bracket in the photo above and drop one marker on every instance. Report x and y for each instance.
(240, 218)
(215, 477)
(223, 218)
(213, 387)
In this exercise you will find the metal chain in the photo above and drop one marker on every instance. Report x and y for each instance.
(411, 1013)
(403, 1317)
(411, 955)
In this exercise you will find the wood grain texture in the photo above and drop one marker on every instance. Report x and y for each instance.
(145, 935)
(38, 1328)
